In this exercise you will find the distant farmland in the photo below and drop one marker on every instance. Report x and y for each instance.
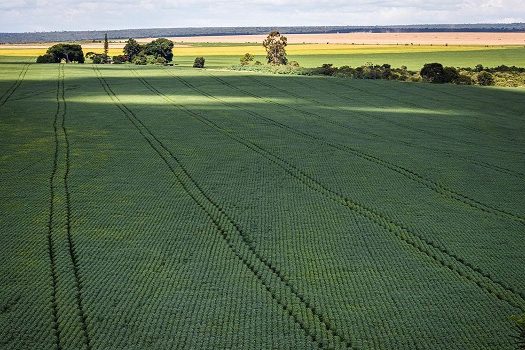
(168, 207)
(224, 55)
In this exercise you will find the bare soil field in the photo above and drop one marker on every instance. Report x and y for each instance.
(335, 38)
(374, 38)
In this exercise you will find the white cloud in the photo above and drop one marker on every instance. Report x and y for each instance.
(31, 15)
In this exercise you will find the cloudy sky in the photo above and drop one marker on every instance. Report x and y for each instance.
(48, 15)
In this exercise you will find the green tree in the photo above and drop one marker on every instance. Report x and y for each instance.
(106, 48)
(160, 48)
(199, 62)
(275, 45)
(132, 49)
(450, 75)
(485, 78)
(246, 59)
(119, 59)
(46, 58)
(67, 52)
(433, 73)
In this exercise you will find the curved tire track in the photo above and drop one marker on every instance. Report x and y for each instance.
(433, 250)
(6, 95)
(411, 174)
(324, 335)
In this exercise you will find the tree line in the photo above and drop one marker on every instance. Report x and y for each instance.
(157, 51)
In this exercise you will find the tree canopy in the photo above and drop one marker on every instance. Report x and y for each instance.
(67, 52)
(132, 49)
(275, 48)
(161, 47)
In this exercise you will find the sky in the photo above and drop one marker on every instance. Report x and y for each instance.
(56, 15)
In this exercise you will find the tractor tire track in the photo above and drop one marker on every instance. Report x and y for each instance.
(428, 132)
(324, 335)
(448, 153)
(11, 90)
(424, 87)
(411, 174)
(71, 245)
(433, 98)
(50, 226)
(423, 245)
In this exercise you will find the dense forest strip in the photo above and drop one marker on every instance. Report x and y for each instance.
(11, 90)
(409, 173)
(439, 254)
(323, 333)
(217, 31)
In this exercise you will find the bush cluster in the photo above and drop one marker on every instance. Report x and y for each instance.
(432, 72)
(199, 62)
(62, 52)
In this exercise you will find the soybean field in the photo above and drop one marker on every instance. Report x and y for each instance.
(176, 208)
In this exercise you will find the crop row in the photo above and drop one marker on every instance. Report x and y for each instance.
(292, 303)
(11, 90)
(459, 140)
(409, 173)
(61, 246)
(365, 117)
(438, 253)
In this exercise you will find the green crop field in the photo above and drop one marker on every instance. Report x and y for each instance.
(174, 208)
(224, 55)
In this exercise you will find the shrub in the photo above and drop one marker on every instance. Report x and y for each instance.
(246, 59)
(450, 75)
(478, 68)
(326, 69)
(46, 58)
(199, 62)
(97, 58)
(294, 63)
(464, 79)
(140, 59)
(160, 60)
(258, 63)
(433, 72)
(345, 71)
(119, 59)
(151, 59)
(485, 78)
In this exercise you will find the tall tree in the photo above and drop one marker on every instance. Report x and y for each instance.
(132, 49)
(275, 48)
(160, 48)
(106, 48)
